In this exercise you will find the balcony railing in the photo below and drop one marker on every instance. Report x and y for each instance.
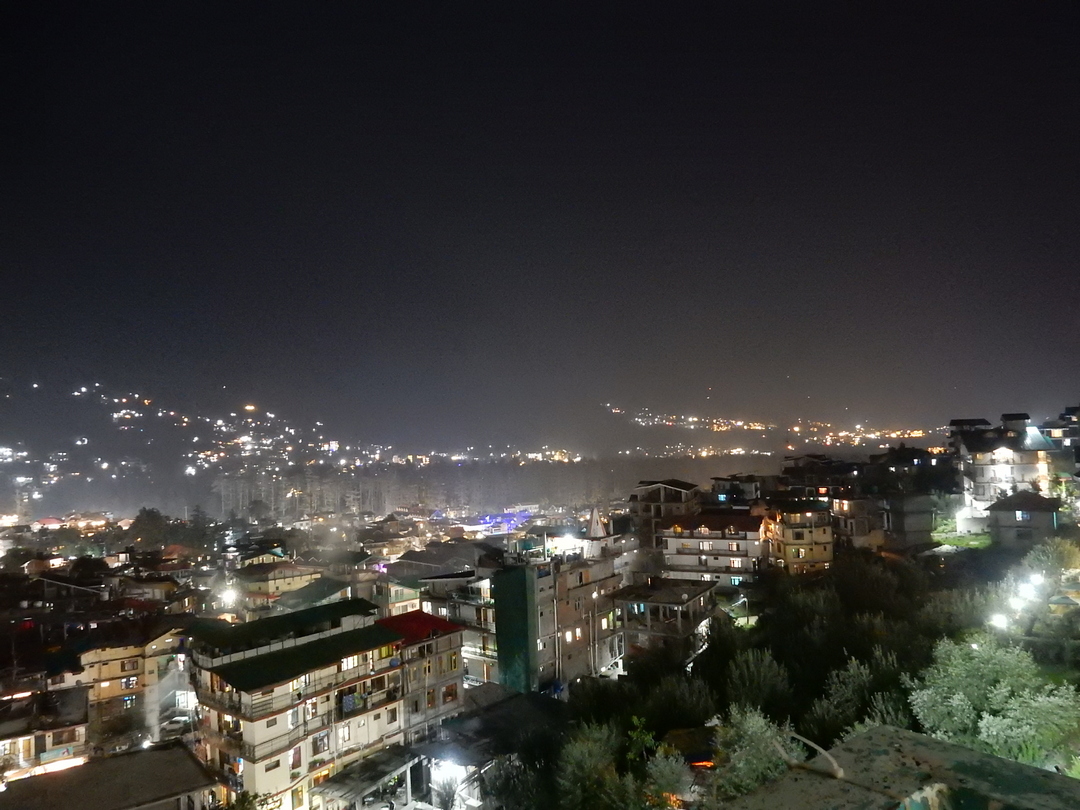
(480, 652)
(283, 742)
(250, 707)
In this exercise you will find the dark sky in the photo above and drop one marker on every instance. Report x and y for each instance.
(452, 222)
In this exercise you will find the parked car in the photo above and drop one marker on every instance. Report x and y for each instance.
(176, 727)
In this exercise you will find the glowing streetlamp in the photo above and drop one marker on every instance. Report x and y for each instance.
(999, 620)
(1026, 591)
(1036, 579)
(1016, 603)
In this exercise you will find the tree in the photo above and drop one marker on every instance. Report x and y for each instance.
(587, 776)
(259, 510)
(757, 681)
(1053, 557)
(444, 794)
(666, 777)
(747, 756)
(678, 702)
(853, 694)
(513, 784)
(149, 528)
(991, 697)
(249, 801)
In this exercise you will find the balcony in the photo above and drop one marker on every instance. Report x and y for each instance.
(242, 704)
(744, 571)
(255, 752)
(716, 552)
(489, 654)
(230, 741)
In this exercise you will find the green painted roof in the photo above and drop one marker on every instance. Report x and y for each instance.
(230, 638)
(280, 666)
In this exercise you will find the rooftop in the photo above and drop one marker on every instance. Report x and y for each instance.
(416, 626)
(1025, 501)
(886, 768)
(281, 666)
(673, 483)
(230, 638)
(125, 782)
(311, 594)
(741, 521)
(664, 592)
(273, 570)
(43, 710)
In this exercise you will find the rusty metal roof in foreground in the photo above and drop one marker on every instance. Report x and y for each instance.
(889, 769)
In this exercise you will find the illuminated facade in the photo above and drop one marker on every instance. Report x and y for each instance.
(799, 536)
(722, 547)
(994, 462)
(287, 701)
(41, 731)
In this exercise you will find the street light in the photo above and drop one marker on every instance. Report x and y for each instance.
(1036, 579)
(999, 620)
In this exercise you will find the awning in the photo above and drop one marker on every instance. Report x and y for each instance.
(367, 775)
(452, 752)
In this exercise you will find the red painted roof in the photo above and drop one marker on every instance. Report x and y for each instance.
(416, 626)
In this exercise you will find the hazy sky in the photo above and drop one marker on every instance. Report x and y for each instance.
(454, 221)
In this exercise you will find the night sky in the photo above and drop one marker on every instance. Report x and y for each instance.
(457, 222)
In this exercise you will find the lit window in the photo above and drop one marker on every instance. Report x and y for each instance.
(577, 633)
(736, 581)
(603, 623)
(344, 733)
(569, 636)
(350, 662)
(736, 563)
(129, 683)
(1022, 517)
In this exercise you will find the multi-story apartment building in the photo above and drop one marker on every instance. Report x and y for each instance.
(653, 501)
(466, 599)
(132, 670)
(724, 547)
(993, 462)
(1065, 430)
(431, 651)
(859, 522)
(260, 584)
(556, 621)
(799, 535)
(671, 614)
(42, 731)
(286, 701)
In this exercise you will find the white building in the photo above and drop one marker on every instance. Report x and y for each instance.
(996, 461)
(720, 547)
(287, 701)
